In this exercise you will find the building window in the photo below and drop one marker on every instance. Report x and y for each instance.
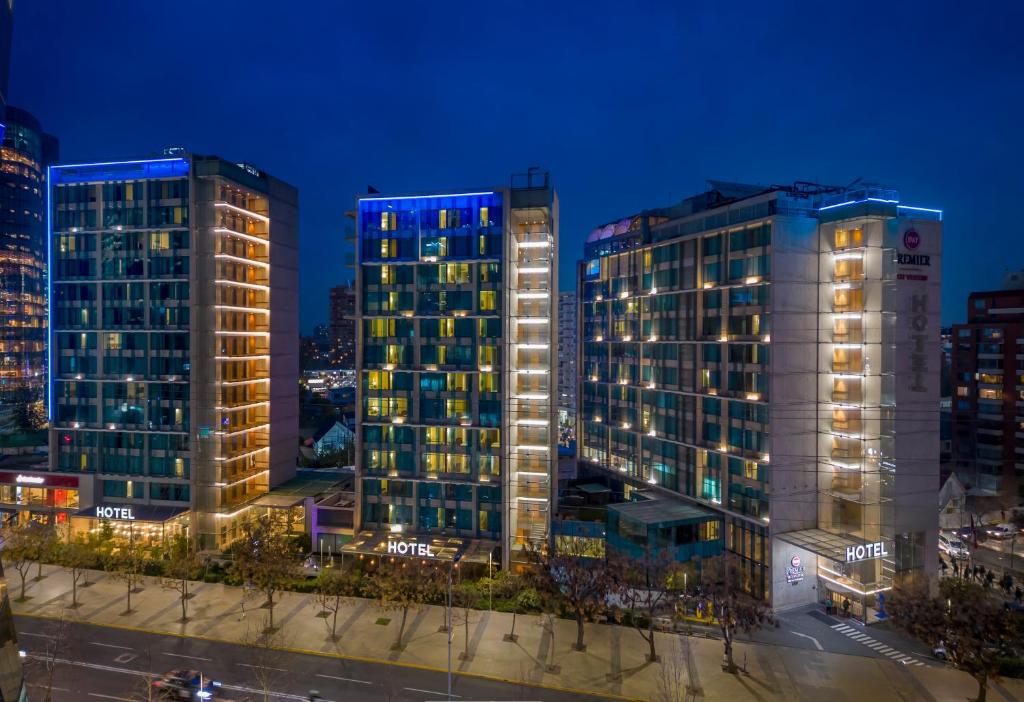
(847, 238)
(488, 300)
(990, 393)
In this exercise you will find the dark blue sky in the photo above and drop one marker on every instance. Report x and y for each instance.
(629, 104)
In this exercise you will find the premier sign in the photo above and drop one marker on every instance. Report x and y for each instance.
(410, 548)
(865, 552)
(121, 513)
(30, 479)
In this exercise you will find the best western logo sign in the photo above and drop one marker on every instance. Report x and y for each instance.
(865, 552)
(410, 548)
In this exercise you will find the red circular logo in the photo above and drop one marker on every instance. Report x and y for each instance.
(911, 239)
(795, 561)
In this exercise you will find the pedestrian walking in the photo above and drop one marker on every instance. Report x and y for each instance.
(846, 607)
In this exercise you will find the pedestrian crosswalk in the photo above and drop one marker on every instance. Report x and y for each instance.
(875, 645)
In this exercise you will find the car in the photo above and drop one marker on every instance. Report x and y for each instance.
(185, 684)
(964, 533)
(953, 547)
(1001, 531)
(940, 651)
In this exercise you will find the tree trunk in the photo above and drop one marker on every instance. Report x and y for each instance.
(23, 576)
(39, 571)
(129, 610)
(982, 679)
(730, 665)
(270, 606)
(401, 629)
(653, 655)
(512, 636)
(466, 649)
(579, 631)
(184, 600)
(74, 589)
(334, 622)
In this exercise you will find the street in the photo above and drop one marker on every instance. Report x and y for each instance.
(111, 664)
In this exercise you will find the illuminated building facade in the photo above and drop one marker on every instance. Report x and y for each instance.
(173, 338)
(766, 354)
(456, 362)
(25, 153)
(343, 325)
(988, 395)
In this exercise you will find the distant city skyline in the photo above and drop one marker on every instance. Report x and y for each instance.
(640, 106)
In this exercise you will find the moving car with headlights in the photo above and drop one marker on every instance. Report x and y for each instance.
(185, 684)
(953, 547)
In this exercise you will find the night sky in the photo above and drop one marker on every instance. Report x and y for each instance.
(628, 104)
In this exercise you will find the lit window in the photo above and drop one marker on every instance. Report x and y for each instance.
(488, 382)
(962, 391)
(485, 217)
(488, 300)
(387, 275)
(990, 393)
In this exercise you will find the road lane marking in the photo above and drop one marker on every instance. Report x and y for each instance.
(261, 667)
(29, 633)
(182, 655)
(52, 687)
(429, 692)
(335, 677)
(106, 645)
(816, 643)
(110, 697)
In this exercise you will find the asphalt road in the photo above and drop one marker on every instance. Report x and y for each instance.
(97, 664)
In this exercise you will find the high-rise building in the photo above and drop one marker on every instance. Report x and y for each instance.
(6, 24)
(343, 325)
(988, 389)
(173, 341)
(25, 153)
(457, 327)
(567, 352)
(768, 356)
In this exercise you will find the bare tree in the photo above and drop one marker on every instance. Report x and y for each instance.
(397, 587)
(19, 552)
(648, 586)
(266, 558)
(43, 666)
(464, 597)
(334, 589)
(76, 558)
(578, 583)
(972, 626)
(520, 592)
(263, 647)
(126, 565)
(181, 568)
(734, 609)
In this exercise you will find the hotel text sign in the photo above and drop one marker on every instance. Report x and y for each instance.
(866, 552)
(122, 513)
(410, 548)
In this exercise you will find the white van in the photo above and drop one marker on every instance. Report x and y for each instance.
(953, 546)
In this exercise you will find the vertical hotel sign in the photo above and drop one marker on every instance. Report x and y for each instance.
(913, 265)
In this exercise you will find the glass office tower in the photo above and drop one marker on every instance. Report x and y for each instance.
(456, 358)
(757, 352)
(173, 338)
(25, 153)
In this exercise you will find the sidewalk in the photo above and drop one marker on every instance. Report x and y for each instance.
(613, 663)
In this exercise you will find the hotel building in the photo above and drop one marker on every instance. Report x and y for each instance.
(765, 355)
(456, 358)
(173, 340)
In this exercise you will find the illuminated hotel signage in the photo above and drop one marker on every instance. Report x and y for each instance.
(865, 552)
(120, 513)
(794, 571)
(30, 479)
(410, 548)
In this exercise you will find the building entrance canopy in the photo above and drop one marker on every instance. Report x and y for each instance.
(854, 564)
(443, 548)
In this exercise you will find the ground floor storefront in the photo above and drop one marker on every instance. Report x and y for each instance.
(846, 576)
